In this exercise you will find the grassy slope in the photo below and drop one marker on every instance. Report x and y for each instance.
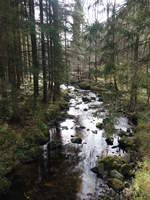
(141, 183)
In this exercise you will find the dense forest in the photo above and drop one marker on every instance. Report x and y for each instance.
(74, 99)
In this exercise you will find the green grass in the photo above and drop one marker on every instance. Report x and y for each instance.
(141, 184)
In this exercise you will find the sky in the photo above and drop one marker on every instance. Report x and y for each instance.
(90, 13)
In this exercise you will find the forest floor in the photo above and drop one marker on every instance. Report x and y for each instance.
(21, 139)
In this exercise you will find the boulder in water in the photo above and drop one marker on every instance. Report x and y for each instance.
(99, 126)
(109, 141)
(76, 140)
(85, 99)
(93, 98)
(85, 109)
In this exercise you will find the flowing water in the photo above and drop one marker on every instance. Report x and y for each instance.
(64, 172)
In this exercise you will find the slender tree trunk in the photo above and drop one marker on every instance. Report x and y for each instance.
(35, 63)
(43, 53)
(134, 82)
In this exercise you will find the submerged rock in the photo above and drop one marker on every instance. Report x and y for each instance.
(95, 132)
(86, 99)
(82, 127)
(85, 109)
(109, 140)
(95, 170)
(93, 98)
(99, 170)
(77, 140)
(99, 126)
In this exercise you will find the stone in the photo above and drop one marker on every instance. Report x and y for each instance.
(82, 127)
(95, 132)
(101, 169)
(64, 127)
(127, 142)
(126, 170)
(95, 170)
(85, 109)
(77, 140)
(109, 141)
(115, 174)
(116, 184)
(85, 99)
(99, 126)
(93, 98)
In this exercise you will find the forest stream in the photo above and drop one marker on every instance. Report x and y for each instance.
(64, 171)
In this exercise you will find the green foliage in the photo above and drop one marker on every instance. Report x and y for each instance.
(4, 185)
(52, 112)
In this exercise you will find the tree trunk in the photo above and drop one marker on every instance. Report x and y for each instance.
(43, 53)
(35, 63)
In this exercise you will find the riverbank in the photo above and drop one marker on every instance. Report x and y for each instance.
(117, 102)
(21, 141)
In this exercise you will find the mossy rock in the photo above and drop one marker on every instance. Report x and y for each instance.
(116, 184)
(127, 142)
(126, 170)
(115, 174)
(76, 140)
(109, 140)
(112, 162)
(95, 88)
(106, 121)
(85, 85)
(99, 126)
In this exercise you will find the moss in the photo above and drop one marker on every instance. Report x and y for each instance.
(128, 142)
(141, 184)
(116, 184)
(85, 85)
(112, 162)
(126, 170)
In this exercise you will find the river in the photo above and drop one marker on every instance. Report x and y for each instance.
(64, 173)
